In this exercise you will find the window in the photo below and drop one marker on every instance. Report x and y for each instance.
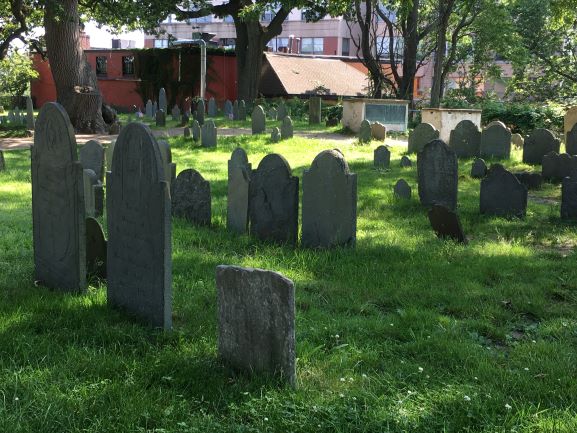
(127, 65)
(267, 16)
(101, 63)
(228, 42)
(161, 43)
(278, 44)
(312, 45)
(383, 45)
(346, 47)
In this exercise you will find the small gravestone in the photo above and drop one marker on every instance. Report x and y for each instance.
(382, 157)
(29, 114)
(402, 190)
(187, 132)
(154, 109)
(569, 198)
(58, 213)
(160, 118)
(282, 111)
(446, 224)
(95, 249)
(517, 141)
(92, 157)
(256, 321)
(139, 264)
(175, 113)
(149, 113)
(329, 213)
(208, 134)
(502, 194)
(212, 108)
(286, 129)
(538, 144)
(191, 197)
(274, 201)
(378, 131)
(239, 173)
(168, 166)
(571, 141)
(315, 110)
(365, 132)
(530, 180)
(478, 169)
(275, 135)
(556, 166)
(258, 120)
(422, 134)
(438, 174)
(272, 113)
(465, 139)
(195, 130)
(496, 142)
(2, 161)
(90, 182)
(235, 110)
(200, 110)
(242, 110)
(406, 161)
(227, 108)
(162, 101)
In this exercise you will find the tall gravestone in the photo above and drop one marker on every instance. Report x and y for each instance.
(239, 173)
(200, 110)
(139, 263)
(569, 198)
(365, 133)
(256, 321)
(227, 108)
(329, 213)
(465, 139)
(149, 109)
(29, 114)
(382, 157)
(162, 101)
(235, 110)
(258, 120)
(422, 134)
(538, 144)
(556, 167)
(502, 194)
(195, 130)
(438, 175)
(191, 197)
(286, 129)
(571, 143)
(208, 134)
(274, 201)
(315, 110)
(212, 108)
(496, 141)
(58, 213)
(242, 110)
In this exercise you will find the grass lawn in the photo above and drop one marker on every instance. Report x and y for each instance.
(404, 333)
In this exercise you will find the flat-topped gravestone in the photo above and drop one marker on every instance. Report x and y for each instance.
(208, 134)
(286, 129)
(258, 120)
(446, 224)
(365, 133)
(200, 110)
(517, 140)
(95, 249)
(160, 118)
(227, 108)
(149, 112)
(406, 161)
(191, 197)
(241, 110)
(530, 180)
(175, 112)
(538, 144)
(569, 198)
(382, 157)
(496, 142)
(275, 135)
(438, 175)
(329, 213)
(402, 190)
(58, 213)
(274, 201)
(465, 139)
(139, 263)
(162, 101)
(212, 108)
(195, 130)
(235, 110)
(478, 169)
(378, 131)
(556, 166)
(92, 157)
(422, 134)
(272, 113)
(282, 111)
(571, 142)
(502, 194)
(256, 321)
(29, 114)
(315, 110)
(168, 166)
(239, 173)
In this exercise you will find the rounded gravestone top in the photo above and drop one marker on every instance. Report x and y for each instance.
(406, 161)
(330, 161)
(133, 139)
(402, 189)
(239, 156)
(274, 161)
(496, 123)
(49, 142)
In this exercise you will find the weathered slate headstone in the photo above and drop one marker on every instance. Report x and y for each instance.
(538, 144)
(184, 119)
(95, 249)
(212, 108)
(168, 166)
(382, 157)
(365, 134)
(59, 229)
(239, 173)
(200, 110)
(195, 130)
(406, 161)
(191, 197)
(465, 139)
(258, 120)
(378, 131)
(315, 110)
(149, 109)
(402, 190)
(530, 180)
(502, 194)
(256, 321)
(92, 157)
(208, 134)
(496, 141)
(422, 134)
(517, 140)
(438, 174)
(569, 198)
(286, 129)
(227, 108)
(556, 166)
(235, 110)
(139, 263)
(186, 132)
(446, 224)
(175, 113)
(495, 122)
(29, 114)
(571, 143)
(160, 118)
(478, 169)
(275, 135)
(242, 110)
(274, 201)
(329, 214)
(162, 101)
(272, 113)
(282, 111)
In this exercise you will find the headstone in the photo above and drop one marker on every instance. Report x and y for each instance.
(274, 201)
(365, 132)
(557, 167)
(286, 129)
(154, 109)
(258, 120)
(59, 229)
(569, 198)
(95, 249)
(382, 157)
(92, 157)
(275, 135)
(162, 101)
(195, 130)
(531, 180)
(315, 110)
(160, 118)
(446, 224)
(108, 155)
(502, 194)
(149, 109)
(139, 263)
(538, 144)
(200, 110)
(187, 132)
(29, 114)
(378, 131)
(422, 134)
(91, 183)
(191, 197)
(208, 134)
(212, 108)
(465, 139)
(227, 108)
(2, 161)
(184, 119)
(242, 110)
(282, 111)
(496, 142)
(402, 190)
(438, 174)
(496, 122)
(235, 110)
(175, 113)
(478, 169)
(168, 166)
(406, 161)
(517, 140)
(272, 113)
(571, 141)
(329, 213)
(239, 173)
(256, 321)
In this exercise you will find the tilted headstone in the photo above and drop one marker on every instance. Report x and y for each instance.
(160, 118)
(149, 109)
(200, 110)
(208, 133)
(58, 213)
(569, 198)
(402, 190)
(275, 135)
(239, 173)
(382, 157)
(378, 131)
(274, 201)
(191, 197)
(29, 113)
(195, 130)
(502, 194)
(212, 108)
(175, 113)
(329, 213)
(538, 144)
(286, 129)
(272, 113)
(95, 249)
(315, 110)
(446, 224)
(162, 101)
(242, 110)
(168, 166)
(282, 111)
(556, 166)
(571, 142)
(258, 120)
(92, 157)
(139, 262)
(2, 161)
(186, 132)
(406, 161)
(517, 140)
(227, 108)
(256, 321)
(496, 142)
(422, 134)
(465, 139)
(235, 110)
(479, 169)
(365, 134)
(530, 180)
(438, 174)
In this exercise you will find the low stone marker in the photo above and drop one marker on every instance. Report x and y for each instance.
(365, 134)
(479, 169)
(200, 110)
(58, 213)
(239, 174)
(274, 201)
(315, 110)
(191, 197)
(286, 129)
(446, 224)
(176, 115)
(502, 194)
(160, 118)
(556, 166)
(517, 140)
(195, 130)
(162, 101)
(242, 110)
(258, 120)
(95, 249)
(235, 110)
(571, 141)
(378, 131)
(496, 142)
(438, 175)
(531, 180)
(29, 114)
(256, 321)
(208, 134)
(139, 262)
(275, 135)
(569, 198)
(422, 134)
(329, 213)
(227, 108)
(406, 161)
(282, 111)
(402, 190)
(465, 139)
(538, 144)
(212, 108)
(382, 157)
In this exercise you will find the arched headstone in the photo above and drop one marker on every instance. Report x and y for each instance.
(275, 135)
(235, 110)
(496, 142)
(208, 133)
(365, 133)
(191, 197)
(29, 114)
(478, 169)
(406, 162)
(227, 108)
(195, 130)
(212, 108)
(378, 131)
(258, 120)
(465, 139)
(286, 129)
(438, 175)
(282, 111)
(422, 134)
(569, 198)
(92, 157)
(538, 144)
(239, 173)
(502, 194)
(160, 118)
(200, 110)
(241, 110)
(382, 157)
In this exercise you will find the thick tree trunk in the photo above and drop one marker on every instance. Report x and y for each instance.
(250, 43)
(411, 47)
(76, 83)
(445, 10)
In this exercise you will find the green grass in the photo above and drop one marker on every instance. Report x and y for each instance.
(404, 333)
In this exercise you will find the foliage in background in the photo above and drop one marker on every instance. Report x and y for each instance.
(16, 71)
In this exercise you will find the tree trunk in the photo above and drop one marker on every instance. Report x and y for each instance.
(411, 47)
(76, 83)
(250, 42)
(445, 9)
